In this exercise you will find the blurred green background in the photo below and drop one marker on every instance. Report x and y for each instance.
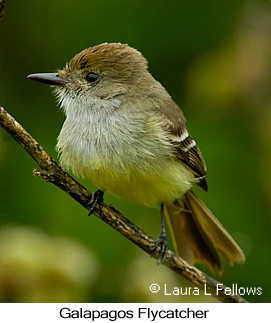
(214, 58)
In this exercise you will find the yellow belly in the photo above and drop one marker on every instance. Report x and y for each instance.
(126, 156)
(149, 187)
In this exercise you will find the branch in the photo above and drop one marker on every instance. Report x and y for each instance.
(53, 173)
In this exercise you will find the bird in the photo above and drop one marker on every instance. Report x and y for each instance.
(125, 134)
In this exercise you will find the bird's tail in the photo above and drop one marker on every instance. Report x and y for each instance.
(198, 235)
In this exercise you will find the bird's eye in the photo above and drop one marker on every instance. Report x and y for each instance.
(92, 77)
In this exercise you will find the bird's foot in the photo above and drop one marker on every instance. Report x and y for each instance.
(163, 244)
(96, 197)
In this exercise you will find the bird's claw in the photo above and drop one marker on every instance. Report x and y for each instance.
(163, 244)
(96, 197)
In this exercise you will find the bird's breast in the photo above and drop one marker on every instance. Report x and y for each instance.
(127, 157)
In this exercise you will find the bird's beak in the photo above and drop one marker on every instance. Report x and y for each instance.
(48, 78)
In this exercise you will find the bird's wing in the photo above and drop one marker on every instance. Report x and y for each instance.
(185, 147)
(187, 151)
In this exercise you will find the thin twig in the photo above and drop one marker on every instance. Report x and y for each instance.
(53, 173)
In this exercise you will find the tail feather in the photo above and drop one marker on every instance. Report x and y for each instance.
(198, 235)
